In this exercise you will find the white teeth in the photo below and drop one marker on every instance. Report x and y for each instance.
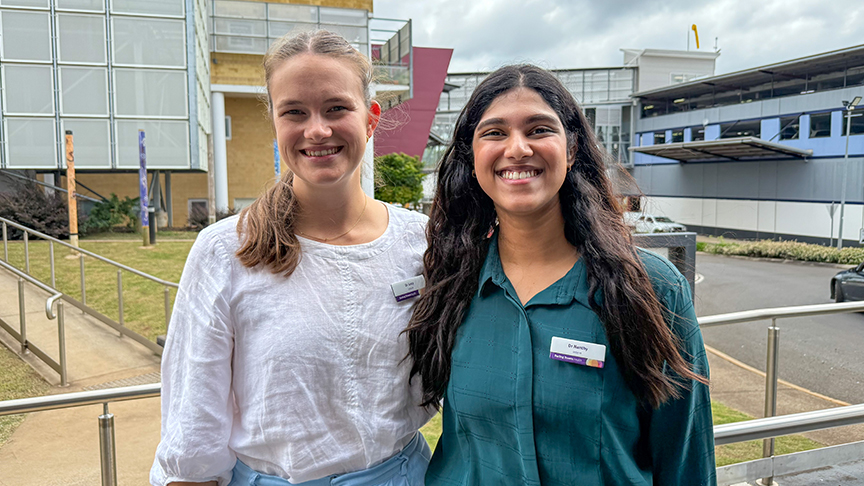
(321, 153)
(515, 176)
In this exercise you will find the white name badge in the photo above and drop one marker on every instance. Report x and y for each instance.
(579, 352)
(407, 289)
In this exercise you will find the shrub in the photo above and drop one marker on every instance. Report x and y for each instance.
(111, 214)
(787, 250)
(399, 179)
(30, 206)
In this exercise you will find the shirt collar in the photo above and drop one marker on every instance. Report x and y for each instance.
(573, 286)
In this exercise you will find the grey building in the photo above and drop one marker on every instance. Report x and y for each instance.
(757, 153)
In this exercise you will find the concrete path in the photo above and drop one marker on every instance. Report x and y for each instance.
(62, 447)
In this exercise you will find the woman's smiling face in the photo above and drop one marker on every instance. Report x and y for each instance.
(520, 153)
(321, 119)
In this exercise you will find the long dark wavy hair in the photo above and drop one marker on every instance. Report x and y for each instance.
(462, 215)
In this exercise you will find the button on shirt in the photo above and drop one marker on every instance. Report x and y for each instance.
(300, 377)
(512, 415)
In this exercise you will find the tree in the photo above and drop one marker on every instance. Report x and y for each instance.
(399, 179)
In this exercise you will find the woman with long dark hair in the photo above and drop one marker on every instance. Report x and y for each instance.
(284, 363)
(562, 353)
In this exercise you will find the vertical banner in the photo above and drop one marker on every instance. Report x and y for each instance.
(71, 187)
(142, 187)
(277, 168)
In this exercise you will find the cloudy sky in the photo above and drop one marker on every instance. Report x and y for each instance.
(486, 34)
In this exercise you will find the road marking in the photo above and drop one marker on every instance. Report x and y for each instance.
(699, 278)
(747, 367)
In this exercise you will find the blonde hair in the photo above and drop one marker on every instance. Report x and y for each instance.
(267, 226)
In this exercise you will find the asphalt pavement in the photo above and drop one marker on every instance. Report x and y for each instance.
(821, 353)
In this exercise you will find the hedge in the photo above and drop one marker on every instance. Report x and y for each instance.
(787, 250)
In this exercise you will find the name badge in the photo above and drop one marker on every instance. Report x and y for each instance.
(578, 352)
(408, 289)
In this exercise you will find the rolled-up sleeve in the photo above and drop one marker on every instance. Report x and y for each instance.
(681, 430)
(197, 406)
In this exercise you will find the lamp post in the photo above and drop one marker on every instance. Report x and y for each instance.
(848, 106)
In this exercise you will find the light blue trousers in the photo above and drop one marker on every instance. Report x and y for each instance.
(407, 468)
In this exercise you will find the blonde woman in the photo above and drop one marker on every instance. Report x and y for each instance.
(283, 364)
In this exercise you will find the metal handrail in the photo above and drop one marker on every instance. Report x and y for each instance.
(780, 312)
(60, 365)
(788, 424)
(79, 399)
(90, 254)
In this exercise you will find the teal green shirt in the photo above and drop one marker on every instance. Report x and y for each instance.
(512, 415)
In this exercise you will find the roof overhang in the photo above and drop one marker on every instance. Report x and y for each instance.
(739, 149)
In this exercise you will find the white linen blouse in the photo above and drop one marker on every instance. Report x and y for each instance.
(300, 377)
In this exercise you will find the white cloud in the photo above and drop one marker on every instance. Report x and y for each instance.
(588, 33)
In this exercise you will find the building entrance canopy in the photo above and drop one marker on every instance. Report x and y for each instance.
(740, 148)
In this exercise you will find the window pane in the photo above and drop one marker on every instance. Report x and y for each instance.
(92, 143)
(659, 138)
(95, 5)
(82, 38)
(245, 45)
(820, 125)
(300, 13)
(354, 35)
(149, 42)
(28, 89)
(677, 136)
(83, 91)
(167, 144)
(242, 27)
(24, 3)
(857, 127)
(278, 29)
(26, 36)
(697, 134)
(348, 16)
(741, 129)
(240, 10)
(150, 93)
(789, 127)
(30, 143)
(150, 7)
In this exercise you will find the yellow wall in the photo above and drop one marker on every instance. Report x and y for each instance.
(244, 69)
(250, 150)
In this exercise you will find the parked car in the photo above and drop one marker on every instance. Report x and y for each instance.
(848, 284)
(651, 223)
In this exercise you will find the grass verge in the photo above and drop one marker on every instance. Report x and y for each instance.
(725, 454)
(19, 381)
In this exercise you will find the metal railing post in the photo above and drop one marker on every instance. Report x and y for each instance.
(22, 312)
(51, 264)
(107, 449)
(26, 253)
(61, 337)
(83, 288)
(771, 389)
(120, 298)
(167, 308)
(5, 243)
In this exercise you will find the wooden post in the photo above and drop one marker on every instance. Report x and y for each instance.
(211, 183)
(70, 187)
(142, 189)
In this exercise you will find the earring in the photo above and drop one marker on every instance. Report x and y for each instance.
(368, 137)
(473, 173)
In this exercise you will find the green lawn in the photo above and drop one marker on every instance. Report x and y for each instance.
(725, 454)
(143, 299)
(18, 381)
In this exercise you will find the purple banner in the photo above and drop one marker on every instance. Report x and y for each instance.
(142, 179)
(573, 359)
(276, 165)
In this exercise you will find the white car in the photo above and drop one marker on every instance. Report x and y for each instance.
(651, 223)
